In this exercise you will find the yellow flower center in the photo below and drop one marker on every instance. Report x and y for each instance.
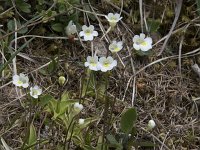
(106, 64)
(116, 49)
(93, 63)
(35, 92)
(113, 18)
(143, 43)
(19, 82)
(87, 32)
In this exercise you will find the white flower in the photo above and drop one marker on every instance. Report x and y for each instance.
(113, 18)
(88, 33)
(151, 124)
(92, 63)
(142, 43)
(78, 107)
(81, 121)
(21, 80)
(106, 64)
(35, 91)
(71, 28)
(115, 46)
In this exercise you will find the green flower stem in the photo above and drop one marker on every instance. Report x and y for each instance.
(60, 95)
(65, 143)
(106, 111)
(30, 119)
(82, 95)
(68, 147)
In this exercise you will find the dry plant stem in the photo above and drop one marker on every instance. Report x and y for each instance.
(180, 52)
(6, 11)
(164, 141)
(121, 9)
(145, 21)
(92, 49)
(100, 24)
(115, 6)
(157, 139)
(106, 107)
(192, 53)
(14, 60)
(175, 31)
(120, 60)
(45, 116)
(31, 24)
(134, 80)
(141, 15)
(178, 10)
(109, 29)
(112, 109)
(189, 54)
(14, 54)
(14, 5)
(196, 69)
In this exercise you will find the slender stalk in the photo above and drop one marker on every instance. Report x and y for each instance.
(65, 143)
(87, 85)
(70, 137)
(30, 119)
(106, 111)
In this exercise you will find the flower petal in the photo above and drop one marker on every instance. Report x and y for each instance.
(135, 38)
(135, 46)
(91, 27)
(25, 85)
(146, 47)
(86, 64)
(142, 35)
(88, 37)
(149, 40)
(102, 59)
(84, 27)
(114, 63)
(89, 58)
(95, 33)
(15, 77)
(110, 15)
(110, 59)
(82, 33)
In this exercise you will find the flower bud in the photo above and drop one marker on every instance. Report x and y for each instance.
(151, 124)
(78, 107)
(61, 80)
(81, 121)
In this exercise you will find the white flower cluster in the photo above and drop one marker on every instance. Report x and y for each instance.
(22, 80)
(104, 63)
